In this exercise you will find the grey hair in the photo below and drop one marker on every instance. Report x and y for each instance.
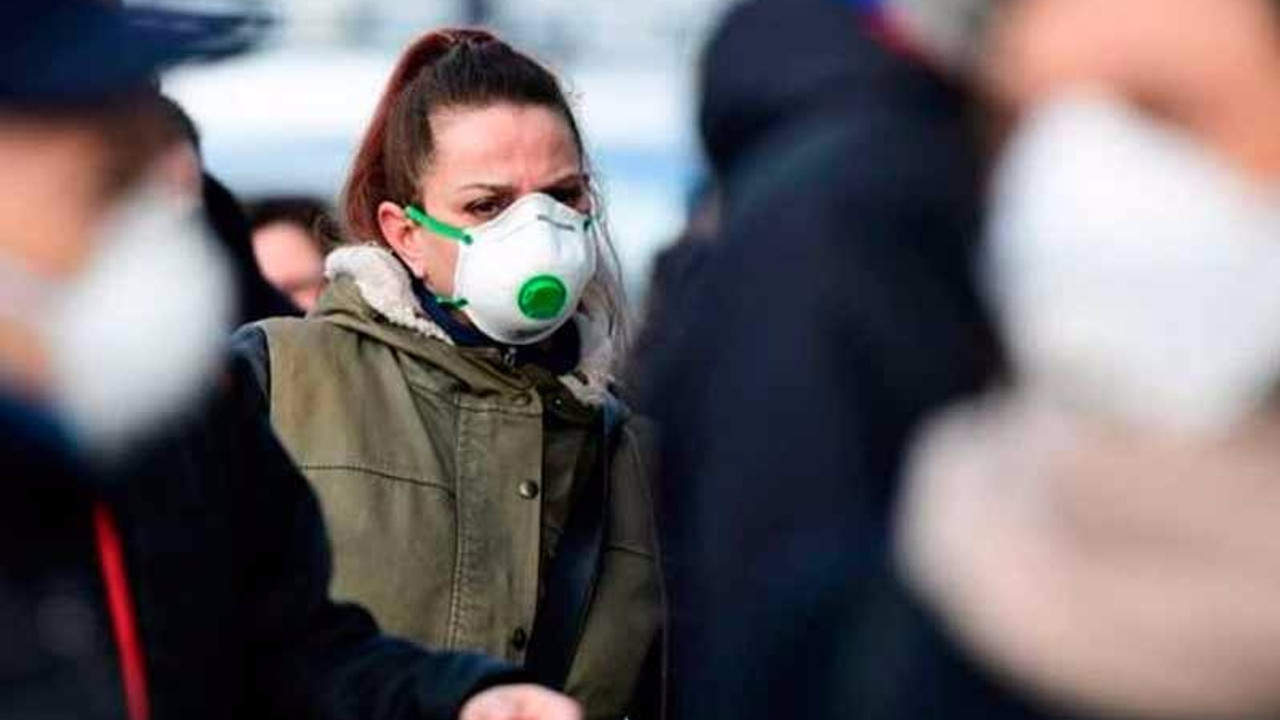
(951, 30)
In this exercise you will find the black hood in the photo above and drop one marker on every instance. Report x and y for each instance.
(772, 61)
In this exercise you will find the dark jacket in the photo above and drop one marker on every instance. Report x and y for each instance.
(836, 312)
(228, 565)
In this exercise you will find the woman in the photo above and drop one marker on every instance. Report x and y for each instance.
(446, 396)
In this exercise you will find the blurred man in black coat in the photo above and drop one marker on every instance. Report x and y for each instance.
(835, 312)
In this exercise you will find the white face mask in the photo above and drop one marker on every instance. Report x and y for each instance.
(521, 275)
(135, 335)
(1135, 273)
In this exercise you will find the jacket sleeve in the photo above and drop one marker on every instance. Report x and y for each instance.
(314, 657)
(249, 346)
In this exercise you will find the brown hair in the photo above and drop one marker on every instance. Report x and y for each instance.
(448, 69)
(310, 214)
(135, 130)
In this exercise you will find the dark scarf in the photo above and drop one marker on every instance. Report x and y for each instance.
(559, 355)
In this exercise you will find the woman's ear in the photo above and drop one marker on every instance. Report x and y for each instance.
(400, 234)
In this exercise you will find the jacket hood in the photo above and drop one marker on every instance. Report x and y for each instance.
(771, 60)
(372, 292)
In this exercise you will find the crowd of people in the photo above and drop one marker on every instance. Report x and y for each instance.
(955, 399)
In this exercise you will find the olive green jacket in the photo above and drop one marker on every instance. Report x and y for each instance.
(445, 478)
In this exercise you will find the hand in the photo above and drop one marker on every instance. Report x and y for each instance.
(520, 702)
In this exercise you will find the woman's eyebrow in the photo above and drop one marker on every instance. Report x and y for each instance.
(574, 178)
(491, 187)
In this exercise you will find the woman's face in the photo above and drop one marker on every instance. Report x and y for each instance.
(485, 159)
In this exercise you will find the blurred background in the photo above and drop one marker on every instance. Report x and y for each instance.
(287, 118)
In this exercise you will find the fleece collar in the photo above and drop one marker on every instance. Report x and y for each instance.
(388, 288)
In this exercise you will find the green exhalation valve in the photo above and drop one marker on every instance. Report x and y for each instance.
(543, 297)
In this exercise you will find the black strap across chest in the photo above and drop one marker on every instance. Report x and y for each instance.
(573, 573)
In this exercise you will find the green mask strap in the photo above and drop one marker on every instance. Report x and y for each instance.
(451, 303)
(422, 219)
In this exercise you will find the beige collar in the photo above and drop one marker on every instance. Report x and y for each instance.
(386, 286)
(1119, 569)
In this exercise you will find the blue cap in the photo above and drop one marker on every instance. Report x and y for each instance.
(60, 52)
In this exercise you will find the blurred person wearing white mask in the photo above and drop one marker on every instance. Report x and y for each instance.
(1102, 530)
(159, 555)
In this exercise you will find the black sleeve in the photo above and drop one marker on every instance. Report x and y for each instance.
(316, 658)
(249, 345)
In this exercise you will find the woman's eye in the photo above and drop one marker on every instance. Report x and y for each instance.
(568, 196)
(485, 208)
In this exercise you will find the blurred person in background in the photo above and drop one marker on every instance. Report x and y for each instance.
(674, 282)
(1102, 529)
(836, 310)
(258, 298)
(159, 556)
(181, 166)
(290, 247)
(450, 396)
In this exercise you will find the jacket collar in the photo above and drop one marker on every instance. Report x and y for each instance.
(559, 354)
(387, 289)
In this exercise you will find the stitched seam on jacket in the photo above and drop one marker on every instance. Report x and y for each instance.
(460, 528)
(380, 473)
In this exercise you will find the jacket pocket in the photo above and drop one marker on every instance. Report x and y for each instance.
(394, 544)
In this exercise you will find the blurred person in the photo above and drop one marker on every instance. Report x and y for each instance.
(1101, 530)
(181, 167)
(836, 311)
(673, 283)
(181, 164)
(289, 246)
(259, 299)
(450, 396)
(159, 556)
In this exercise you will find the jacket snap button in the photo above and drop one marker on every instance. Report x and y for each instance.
(529, 489)
(519, 639)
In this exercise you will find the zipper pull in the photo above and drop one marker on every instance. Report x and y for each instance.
(509, 358)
